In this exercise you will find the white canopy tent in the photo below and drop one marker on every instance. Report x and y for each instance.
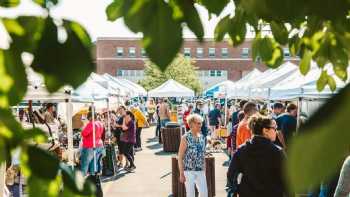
(270, 76)
(300, 86)
(130, 91)
(261, 88)
(252, 75)
(171, 88)
(139, 89)
(222, 87)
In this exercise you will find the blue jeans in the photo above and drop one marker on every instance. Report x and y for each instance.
(163, 122)
(87, 160)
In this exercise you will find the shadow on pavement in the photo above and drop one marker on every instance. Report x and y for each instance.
(120, 173)
(162, 153)
(155, 139)
(155, 146)
(226, 163)
(165, 175)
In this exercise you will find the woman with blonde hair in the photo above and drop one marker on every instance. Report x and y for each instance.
(192, 158)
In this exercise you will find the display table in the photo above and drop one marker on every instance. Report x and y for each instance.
(178, 188)
(171, 139)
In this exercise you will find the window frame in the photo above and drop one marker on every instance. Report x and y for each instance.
(212, 55)
(120, 49)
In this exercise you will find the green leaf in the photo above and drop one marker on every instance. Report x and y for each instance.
(69, 63)
(73, 183)
(25, 31)
(294, 45)
(256, 47)
(320, 131)
(3, 152)
(277, 58)
(280, 32)
(191, 17)
(322, 81)
(15, 69)
(339, 59)
(9, 3)
(222, 28)
(305, 62)
(332, 84)
(266, 49)
(237, 29)
(341, 72)
(46, 3)
(162, 35)
(42, 187)
(38, 159)
(214, 6)
(115, 10)
(35, 134)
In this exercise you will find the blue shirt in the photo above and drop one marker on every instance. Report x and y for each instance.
(214, 116)
(287, 124)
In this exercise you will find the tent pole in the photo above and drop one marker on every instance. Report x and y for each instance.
(93, 135)
(298, 114)
(225, 109)
(108, 122)
(70, 132)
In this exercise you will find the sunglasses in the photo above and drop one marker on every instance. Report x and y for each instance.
(274, 128)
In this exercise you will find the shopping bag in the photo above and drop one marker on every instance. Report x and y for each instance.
(109, 161)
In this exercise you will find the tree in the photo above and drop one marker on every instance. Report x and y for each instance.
(181, 69)
(316, 30)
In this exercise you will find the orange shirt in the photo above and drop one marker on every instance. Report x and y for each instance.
(243, 133)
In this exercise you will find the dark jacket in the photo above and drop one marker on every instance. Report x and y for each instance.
(261, 164)
(204, 128)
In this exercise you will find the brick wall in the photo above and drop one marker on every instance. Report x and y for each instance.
(108, 62)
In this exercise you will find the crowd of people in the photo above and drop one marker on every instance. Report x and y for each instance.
(257, 143)
(257, 138)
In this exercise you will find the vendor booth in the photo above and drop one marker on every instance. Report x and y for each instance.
(171, 88)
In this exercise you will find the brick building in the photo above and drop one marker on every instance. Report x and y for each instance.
(216, 61)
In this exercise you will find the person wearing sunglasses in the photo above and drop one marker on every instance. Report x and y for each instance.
(256, 168)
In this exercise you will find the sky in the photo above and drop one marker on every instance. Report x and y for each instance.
(91, 14)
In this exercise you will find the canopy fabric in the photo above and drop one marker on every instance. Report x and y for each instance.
(220, 87)
(252, 75)
(140, 90)
(299, 86)
(171, 88)
(112, 87)
(129, 90)
(90, 91)
(261, 89)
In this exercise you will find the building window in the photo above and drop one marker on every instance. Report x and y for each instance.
(224, 52)
(187, 52)
(245, 52)
(286, 52)
(200, 52)
(143, 53)
(211, 52)
(206, 73)
(119, 72)
(132, 52)
(120, 51)
(212, 73)
(218, 73)
(133, 73)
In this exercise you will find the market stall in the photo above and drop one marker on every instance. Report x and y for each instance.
(171, 88)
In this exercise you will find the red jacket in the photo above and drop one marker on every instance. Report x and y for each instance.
(88, 135)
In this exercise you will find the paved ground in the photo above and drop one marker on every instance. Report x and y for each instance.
(152, 178)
